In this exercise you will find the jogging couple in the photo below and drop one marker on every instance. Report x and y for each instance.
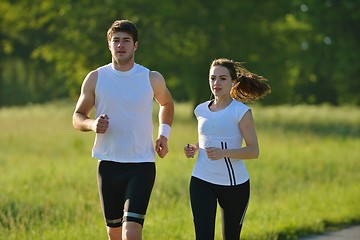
(122, 94)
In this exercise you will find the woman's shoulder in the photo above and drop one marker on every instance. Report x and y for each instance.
(239, 109)
(239, 105)
(203, 105)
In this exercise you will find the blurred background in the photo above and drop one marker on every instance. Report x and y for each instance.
(307, 179)
(308, 49)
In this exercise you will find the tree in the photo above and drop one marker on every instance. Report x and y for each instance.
(307, 49)
(330, 51)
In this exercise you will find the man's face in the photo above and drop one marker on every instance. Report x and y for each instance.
(122, 47)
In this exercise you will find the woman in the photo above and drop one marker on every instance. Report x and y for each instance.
(219, 174)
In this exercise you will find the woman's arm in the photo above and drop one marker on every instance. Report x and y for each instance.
(251, 148)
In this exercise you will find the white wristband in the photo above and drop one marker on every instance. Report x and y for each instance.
(164, 130)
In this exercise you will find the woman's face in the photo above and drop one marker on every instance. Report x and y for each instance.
(220, 81)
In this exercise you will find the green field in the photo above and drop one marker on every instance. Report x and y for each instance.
(306, 180)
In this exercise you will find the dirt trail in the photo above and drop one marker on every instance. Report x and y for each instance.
(350, 233)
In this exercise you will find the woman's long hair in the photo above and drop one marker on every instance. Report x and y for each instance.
(248, 86)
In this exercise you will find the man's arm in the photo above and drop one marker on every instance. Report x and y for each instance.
(166, 112)
(85, 103)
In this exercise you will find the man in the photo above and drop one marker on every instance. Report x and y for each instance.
(122, 94)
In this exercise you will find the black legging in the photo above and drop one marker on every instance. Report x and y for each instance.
(233, 201)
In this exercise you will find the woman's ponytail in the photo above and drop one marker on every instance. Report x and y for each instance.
(248, 86)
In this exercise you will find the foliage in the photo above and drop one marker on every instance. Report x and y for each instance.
(307, 49)
(305, 180)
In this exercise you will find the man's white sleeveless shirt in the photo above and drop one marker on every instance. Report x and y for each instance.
(221, 130)
(127, 98)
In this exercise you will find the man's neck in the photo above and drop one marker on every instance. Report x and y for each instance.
(123, 66)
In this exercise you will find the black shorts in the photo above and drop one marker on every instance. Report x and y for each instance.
(125, 190)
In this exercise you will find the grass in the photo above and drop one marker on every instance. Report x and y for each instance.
(305, 181)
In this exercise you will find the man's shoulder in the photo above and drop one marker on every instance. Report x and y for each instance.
(155, 75)
(141, 67)
(156, 78)
(103, 67)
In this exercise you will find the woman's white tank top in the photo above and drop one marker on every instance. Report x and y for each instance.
(220, 129)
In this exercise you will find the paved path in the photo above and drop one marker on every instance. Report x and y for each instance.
(350, 233)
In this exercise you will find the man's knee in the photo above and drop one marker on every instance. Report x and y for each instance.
(115, 233)
(132, 231)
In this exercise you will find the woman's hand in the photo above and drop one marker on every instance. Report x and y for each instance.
(215, 153)
(190, 150)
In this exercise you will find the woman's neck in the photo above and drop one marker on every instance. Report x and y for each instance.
(220, 103)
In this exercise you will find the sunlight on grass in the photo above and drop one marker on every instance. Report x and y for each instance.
(305, 180)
